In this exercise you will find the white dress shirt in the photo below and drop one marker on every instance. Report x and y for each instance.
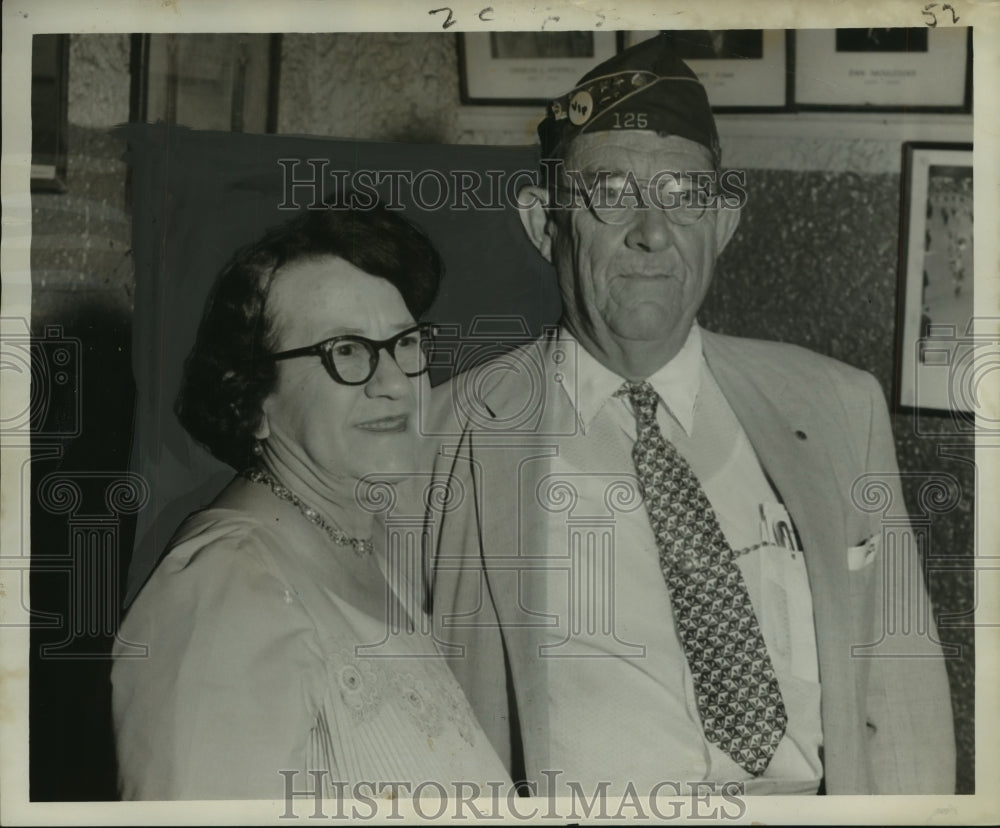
(622, 704)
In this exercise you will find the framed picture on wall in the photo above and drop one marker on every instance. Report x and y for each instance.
(49, 111)
(919, 69)
(934, 348)
(225, 82)
(527, 68)
(742, 70)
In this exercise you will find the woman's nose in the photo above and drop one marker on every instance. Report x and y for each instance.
(388, 379)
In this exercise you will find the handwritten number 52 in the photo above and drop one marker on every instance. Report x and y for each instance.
(932, 18)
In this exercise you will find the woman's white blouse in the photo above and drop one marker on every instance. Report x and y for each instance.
(256, 665)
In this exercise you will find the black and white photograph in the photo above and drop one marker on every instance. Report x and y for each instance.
(720, 44)
(936, 285)
(506, 45)
(614, 451)
(882, 40)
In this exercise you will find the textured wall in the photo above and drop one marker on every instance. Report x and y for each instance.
(99, 80)
(81, 237)
(814, 263)
(409, 83)
(83, 281)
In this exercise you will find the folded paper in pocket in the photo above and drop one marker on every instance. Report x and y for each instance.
(858, 557)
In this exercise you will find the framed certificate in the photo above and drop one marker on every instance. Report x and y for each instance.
(522, 68)
(207, 80)
(742, 70)
(919, 69)
(49, 106)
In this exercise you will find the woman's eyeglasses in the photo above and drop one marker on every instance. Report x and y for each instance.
(353, 360)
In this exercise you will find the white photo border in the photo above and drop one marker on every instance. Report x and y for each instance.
(22, 18)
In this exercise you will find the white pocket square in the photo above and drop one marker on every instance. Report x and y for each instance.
(858, 557)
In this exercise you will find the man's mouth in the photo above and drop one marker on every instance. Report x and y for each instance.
(645, 276)
(397, 423)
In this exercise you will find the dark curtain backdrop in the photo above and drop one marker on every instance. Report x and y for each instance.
(198, 196)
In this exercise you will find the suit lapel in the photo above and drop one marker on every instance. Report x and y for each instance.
(514, 539)
(779, 426)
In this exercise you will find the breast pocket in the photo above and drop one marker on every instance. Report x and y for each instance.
(864, 574)
(864, 555)
(788, 612)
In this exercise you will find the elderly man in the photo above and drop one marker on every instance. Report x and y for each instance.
(655, 568)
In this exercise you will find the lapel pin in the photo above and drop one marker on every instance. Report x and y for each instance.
(800, 434)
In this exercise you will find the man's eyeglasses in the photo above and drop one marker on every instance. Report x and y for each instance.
(353, 360)
(614, 200)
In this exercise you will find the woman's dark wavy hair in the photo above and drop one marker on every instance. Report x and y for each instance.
(225, 381)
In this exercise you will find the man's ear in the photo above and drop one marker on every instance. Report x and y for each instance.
(531, 203)
(728, 219)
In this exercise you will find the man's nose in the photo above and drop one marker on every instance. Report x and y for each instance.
(650, 230)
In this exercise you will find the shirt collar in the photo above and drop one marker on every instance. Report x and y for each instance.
(591, 385)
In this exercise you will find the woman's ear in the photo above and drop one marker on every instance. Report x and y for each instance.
(531, 205)
(263, 430)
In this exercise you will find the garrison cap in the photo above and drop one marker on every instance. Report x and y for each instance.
(645, 87)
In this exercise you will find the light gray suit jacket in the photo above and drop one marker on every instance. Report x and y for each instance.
(822, 433)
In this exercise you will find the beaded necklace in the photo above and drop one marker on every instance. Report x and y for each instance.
(362, 546)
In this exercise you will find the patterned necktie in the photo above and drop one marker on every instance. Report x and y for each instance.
(734, 681)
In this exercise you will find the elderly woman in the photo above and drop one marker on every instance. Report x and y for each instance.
(276, 656)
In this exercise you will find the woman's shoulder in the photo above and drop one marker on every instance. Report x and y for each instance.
(220, 561)
(216, 528)
(221, 542)
(230, 665)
